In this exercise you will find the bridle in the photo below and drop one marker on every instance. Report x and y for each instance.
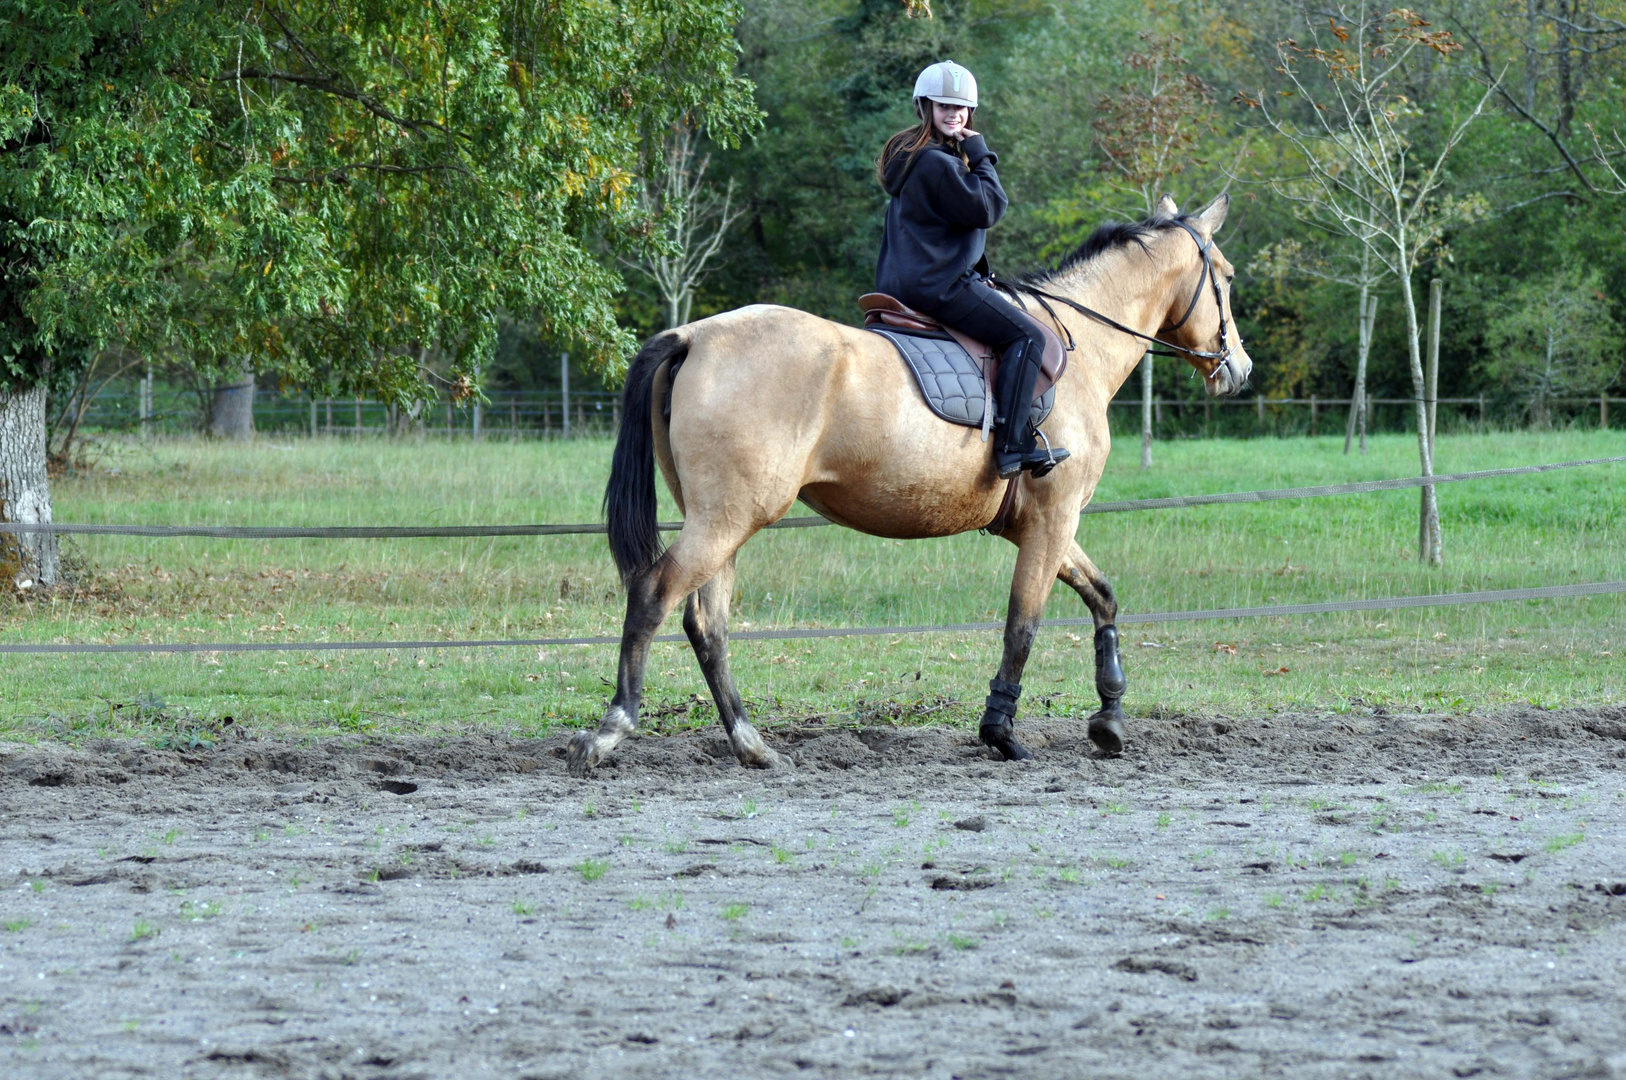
(1205, 248)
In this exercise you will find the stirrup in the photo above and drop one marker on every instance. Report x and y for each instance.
(1052, 458)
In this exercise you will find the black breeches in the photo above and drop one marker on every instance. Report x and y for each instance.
(998, 322)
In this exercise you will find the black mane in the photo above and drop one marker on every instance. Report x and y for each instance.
(1106, 237)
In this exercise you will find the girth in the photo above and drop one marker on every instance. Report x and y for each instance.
(884, 312)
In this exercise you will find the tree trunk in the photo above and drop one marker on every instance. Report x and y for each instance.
(1146, 411)
(1429, 542)
(1368, 305)
(1435, 289)
(1431, 394)
(25, 491)
(1363, 421)
(232, 415)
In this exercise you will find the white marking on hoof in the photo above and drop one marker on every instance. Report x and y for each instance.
(588, 748)
(752, 752)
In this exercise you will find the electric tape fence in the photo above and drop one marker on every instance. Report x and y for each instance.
(240, 532)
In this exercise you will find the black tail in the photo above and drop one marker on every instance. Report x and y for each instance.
(629, 499)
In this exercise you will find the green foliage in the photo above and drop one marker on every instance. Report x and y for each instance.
(335, 190)
(347, 193)
(1554, 338)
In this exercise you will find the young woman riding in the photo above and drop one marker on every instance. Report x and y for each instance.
(945, 198)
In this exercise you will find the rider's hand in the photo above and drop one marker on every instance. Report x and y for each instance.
(964, 134)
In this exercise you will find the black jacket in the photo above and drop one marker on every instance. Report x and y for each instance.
(936, 226)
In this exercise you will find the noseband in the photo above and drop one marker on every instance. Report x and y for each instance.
(1205, 248)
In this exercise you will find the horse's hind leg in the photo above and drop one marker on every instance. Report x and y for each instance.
(705, 620)
(695, 558)
(1106, 726)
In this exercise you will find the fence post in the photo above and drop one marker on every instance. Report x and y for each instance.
(615, 418)
(1432, 388)
(581, 419)
(358, 416)
(1482, 414)
(1259, 402)
(313, 416)
(1314, 429)
(513, 419)
(146, 401)
(564, 395)
(448, 421)
(1146, 410)
(1603, 410)
(330, 416)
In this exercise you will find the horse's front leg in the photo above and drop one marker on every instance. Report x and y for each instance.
(1106, 726)
(1037, 562)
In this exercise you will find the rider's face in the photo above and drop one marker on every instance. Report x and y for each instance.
(950, 120)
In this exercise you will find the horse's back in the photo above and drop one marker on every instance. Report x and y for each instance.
(773, 403)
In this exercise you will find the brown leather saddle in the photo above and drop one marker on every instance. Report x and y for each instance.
(879, 308)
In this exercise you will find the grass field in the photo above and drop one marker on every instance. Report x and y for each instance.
(1522, 531)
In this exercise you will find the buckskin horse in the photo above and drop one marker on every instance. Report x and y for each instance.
(750, 410)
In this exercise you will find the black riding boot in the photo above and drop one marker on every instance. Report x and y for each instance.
(1015, 443)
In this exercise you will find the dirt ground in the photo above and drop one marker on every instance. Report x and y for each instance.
(1328, 895)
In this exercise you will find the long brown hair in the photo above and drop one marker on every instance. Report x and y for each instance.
(911, 141)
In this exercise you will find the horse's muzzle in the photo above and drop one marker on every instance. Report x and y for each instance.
(1230, 374)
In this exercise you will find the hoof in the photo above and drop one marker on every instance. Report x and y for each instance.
(770, 759)
(1107, 733)
(752, 752)
(583, 753)
(1005, 744)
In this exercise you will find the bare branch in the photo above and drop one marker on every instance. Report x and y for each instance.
(694, 221)
(328, 85)
(1501, 91)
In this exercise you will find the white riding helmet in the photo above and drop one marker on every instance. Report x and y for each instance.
(949, 83)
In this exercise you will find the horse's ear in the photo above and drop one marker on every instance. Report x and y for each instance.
(1166, 208)
(1213, 215)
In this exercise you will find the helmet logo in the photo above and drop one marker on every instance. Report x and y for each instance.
(954, 73)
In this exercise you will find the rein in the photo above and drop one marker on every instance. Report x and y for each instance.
(1169, 348)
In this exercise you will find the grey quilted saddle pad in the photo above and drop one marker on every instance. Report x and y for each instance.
(950, 380)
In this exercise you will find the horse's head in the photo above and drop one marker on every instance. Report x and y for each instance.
(1199, 316)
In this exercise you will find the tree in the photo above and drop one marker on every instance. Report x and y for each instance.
(1557, 49)
(231, 406)
(1365, 174)
(1357, 269)
(692, 218)
(325, 188)
(1554, 338)
(1148, 134)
